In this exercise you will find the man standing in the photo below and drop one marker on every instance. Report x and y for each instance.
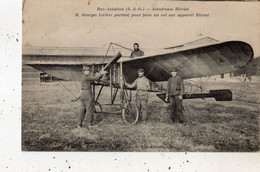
(174, 92)
(87, 101)
(137, 52)
(142, 84)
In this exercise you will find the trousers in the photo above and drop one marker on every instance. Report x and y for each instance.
(176, 109)
(141, 103)
(87, 107)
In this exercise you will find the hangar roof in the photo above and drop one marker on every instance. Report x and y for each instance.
(70, 51)
(99, 51)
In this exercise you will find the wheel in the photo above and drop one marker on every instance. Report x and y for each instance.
(98, 108)
(130, 113)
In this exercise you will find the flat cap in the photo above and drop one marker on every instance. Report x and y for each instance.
(85, 67)
(174, 70)
(140, 70)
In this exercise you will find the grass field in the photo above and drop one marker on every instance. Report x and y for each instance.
(49, 119)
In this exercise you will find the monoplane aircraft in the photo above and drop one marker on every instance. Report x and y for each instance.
(192, 60)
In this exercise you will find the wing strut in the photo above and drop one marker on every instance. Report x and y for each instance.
(110, 45)
(74, 81)
(68, 90)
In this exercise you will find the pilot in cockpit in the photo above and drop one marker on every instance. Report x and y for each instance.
(137, 52)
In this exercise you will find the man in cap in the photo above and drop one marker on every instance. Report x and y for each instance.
(142, 84)
(87, 101)
(137, 52)
(174, 92)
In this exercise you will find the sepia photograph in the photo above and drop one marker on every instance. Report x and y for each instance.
(134, 76)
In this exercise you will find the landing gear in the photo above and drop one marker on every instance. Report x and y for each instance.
(130, 113)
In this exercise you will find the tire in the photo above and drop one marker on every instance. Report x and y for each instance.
(130, 113)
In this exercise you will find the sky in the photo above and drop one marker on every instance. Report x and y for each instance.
(53, 24)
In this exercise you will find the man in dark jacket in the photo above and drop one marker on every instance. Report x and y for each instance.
(137, 52)
(174, 92)
(87, 102)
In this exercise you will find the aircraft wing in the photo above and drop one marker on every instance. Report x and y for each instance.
(71, 71)
(207, 60)
(191, 61)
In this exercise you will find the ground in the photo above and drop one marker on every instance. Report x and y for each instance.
(49, 119)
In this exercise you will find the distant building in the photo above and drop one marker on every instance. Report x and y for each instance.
(59, 55)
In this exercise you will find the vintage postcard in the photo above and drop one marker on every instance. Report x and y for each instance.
(133, 85)
(133, 76)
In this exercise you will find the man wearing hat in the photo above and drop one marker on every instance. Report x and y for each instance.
(142, 84)
(87, 102)
(174, 92)
(137, 52)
